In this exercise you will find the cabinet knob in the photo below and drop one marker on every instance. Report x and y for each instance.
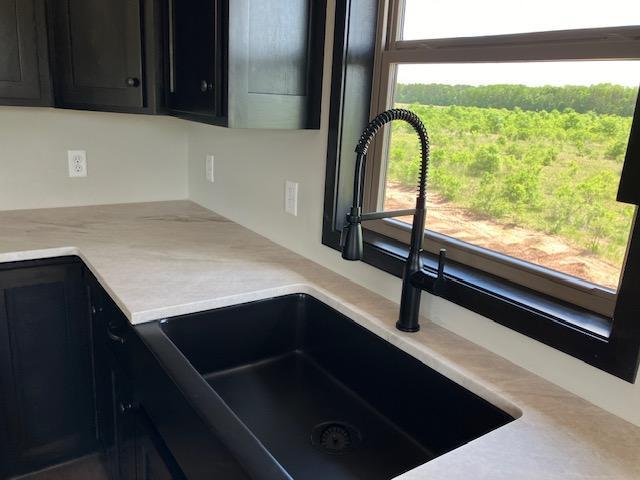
(114, 337)
(205, 86)
(133, 82)
(126, 406)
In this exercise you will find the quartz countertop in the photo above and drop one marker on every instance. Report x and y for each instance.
(163, 259)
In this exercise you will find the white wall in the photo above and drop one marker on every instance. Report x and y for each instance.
(131, 158)
(251, 169)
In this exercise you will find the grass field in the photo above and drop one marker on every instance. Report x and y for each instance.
(549, 171)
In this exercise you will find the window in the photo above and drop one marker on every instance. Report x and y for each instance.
(529, 116)
(431, 19)
(503, 124)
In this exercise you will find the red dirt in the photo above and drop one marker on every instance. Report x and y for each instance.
(543, 249)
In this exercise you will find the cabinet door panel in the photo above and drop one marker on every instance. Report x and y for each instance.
(99, 53)
(124, 461)
(23, 47)
(278, 44)
(151, 453)
(10, 62)
(45, 376)
(193, 55)
(275, 63)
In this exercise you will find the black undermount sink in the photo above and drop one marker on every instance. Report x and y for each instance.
(294, 389)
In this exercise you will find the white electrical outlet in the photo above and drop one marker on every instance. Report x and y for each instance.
(291, 198)
(209, 168)
(77, 163)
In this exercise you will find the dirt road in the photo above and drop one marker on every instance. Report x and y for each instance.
(550, 251)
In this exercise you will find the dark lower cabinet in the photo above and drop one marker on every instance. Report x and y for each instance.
(133, 449)
(152, 453)
(66, 387)
(76, 378)
(106, 54)
(46, 379)
(24, 63)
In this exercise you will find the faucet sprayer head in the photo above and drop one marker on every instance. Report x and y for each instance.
(352, 241)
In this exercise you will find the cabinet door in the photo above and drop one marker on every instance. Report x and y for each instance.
(153, 459)
(46, 382)
(99, 54)
(114, 396)
(124, 450)
(193, 55)
(24, 72)
(275, 63)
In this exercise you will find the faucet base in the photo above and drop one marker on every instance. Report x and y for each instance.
(404, 328)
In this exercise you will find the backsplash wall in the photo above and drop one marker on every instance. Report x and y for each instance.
(131, 158)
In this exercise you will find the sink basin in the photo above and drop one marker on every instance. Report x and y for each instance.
(318, 395)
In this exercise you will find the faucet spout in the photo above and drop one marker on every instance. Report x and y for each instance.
(352, 236)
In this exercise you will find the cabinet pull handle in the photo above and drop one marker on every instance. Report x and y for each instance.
(114, 337)
(126, 406)
(133, 82)
(205, 86)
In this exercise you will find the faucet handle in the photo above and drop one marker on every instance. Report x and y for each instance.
(439, 283)
(343, 235)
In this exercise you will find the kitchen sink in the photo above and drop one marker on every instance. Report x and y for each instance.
(295, 389)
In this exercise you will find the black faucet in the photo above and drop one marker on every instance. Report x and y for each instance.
(351, 241)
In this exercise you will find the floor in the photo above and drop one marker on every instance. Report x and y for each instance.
(85, 468)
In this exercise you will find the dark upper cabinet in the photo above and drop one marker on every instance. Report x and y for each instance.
(194, 32)
(246, 63)
(106, 55)
(239, 63)
(24, 63)
(46, 380)
(275, 63)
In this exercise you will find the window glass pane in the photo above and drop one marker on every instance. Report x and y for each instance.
(429, 19)
(526, 158)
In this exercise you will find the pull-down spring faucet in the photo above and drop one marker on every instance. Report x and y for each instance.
(352, 246)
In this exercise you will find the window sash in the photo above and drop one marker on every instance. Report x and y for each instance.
(617, 43)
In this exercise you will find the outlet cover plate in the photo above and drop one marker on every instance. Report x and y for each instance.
(291, 198)
(77, 163)
(209, 168)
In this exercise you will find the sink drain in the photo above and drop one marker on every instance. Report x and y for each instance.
(335, 438)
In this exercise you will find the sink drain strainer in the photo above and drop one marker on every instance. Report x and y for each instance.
(335, 438)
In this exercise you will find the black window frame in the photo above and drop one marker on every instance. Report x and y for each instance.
(611, 344)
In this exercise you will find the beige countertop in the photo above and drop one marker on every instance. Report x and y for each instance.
(164, 259)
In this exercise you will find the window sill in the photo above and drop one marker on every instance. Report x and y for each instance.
(565, 327)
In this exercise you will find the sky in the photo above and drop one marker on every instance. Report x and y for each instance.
(531, 74)
(443, 19)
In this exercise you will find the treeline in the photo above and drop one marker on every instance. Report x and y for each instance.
(603, 98)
